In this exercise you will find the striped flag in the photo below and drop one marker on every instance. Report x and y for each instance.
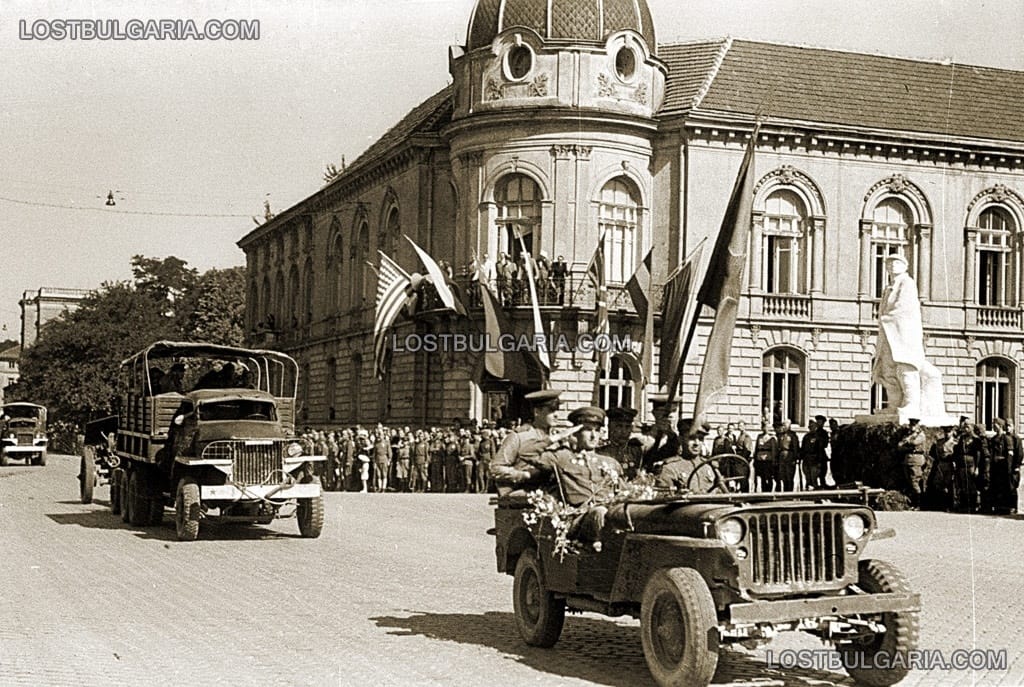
(392, 285)
(595, 272)
(538, 325)
(439, 279)
(638, 287)
(723, 281)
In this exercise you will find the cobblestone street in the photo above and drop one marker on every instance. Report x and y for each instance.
(399, 590)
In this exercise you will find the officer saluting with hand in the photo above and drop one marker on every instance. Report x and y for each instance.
(666, 441)
(514, 465)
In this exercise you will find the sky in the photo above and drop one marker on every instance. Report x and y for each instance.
(192, 137)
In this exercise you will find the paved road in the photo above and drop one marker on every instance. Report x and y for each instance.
(399, 590)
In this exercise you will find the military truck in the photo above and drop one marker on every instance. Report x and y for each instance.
(23, 435)
(210, 431)
(703, 570)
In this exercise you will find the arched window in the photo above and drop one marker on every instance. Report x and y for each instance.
(335, 277)
(266, 302)
(891, 221)
(280, 303)
(390, 233)
(616, 385)
(330, 390)
(518, 202)
(309, 287)
(784, 256)
(994, 257)
(994, 390)
(294, 297)
(782, 384)
(618, 221)
(252, 314)
(359, 253)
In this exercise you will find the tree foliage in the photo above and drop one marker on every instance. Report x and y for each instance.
(72, 368)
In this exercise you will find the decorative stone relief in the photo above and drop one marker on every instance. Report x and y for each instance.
(607, 87)
(536, 88)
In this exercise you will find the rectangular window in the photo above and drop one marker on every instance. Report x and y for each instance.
(991, 278)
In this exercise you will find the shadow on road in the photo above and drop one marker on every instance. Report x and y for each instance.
(596, 650)
(105, 520)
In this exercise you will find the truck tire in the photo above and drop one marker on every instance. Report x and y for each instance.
(126, 499)
(901, 629)
(539, 615)
(679, 628)
(138, 503)
(115, 491)
(87, 474)
(310, 514)
(187, 509)
(3, 458)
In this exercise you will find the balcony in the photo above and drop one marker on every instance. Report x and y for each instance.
(787, 306)
(996, 317)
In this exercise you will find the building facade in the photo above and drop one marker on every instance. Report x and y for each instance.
(566, 122)
(42, 305)
(8, 369)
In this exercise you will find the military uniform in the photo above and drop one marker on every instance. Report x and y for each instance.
(914, 462)
(675, 473)
(629, 453)
(582, 476)
(515, 463)
(666, 442)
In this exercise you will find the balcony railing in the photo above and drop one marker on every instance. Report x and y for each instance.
(998, 317)
(788, 306)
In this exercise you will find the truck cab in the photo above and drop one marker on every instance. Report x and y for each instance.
(23, 434)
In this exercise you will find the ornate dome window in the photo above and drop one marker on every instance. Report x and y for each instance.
(625, 63)
(518, 62)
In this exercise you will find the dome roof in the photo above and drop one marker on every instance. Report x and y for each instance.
(582, 20)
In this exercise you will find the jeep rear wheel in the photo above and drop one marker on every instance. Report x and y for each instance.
(187, 509)
(87, 474)
(310, 514)
(539, 615)
(901, 630)
(678, 628)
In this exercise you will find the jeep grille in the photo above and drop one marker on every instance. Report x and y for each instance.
(804, 549)
(252, 462)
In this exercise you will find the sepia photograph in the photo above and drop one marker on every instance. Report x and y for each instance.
(512, 342)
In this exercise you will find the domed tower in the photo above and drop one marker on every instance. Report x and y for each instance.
(551, 133)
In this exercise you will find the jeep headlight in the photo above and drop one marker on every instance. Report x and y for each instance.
(294, 449)
(854, 526)
(730, 531)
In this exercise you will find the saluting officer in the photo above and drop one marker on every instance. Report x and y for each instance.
(626, 450)
(666, 441)
(514, 465)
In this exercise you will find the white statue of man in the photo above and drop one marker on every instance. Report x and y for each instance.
(913, 384)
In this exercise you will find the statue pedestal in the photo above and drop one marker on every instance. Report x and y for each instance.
(903, 418)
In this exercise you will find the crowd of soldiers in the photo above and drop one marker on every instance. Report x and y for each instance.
(966, 469)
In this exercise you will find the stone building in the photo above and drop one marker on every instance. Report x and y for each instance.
(42, 305)
(566, 121)
(9, 358)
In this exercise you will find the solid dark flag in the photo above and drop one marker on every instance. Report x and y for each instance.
(595, 272)
(679, 315)
(638, 287)
(502, 364)
(723, 282)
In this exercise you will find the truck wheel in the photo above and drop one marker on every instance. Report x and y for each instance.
(3, 458)
(156, 509)
(310, 514)
(901, 629)
(187, 509)
(679, 628)
(42, 459)
(138, 503)
(539, 615)
(125, 499)
(115, 491)
(87, 474)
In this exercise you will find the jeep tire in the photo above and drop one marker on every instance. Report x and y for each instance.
(87, 474)
(901, 629)
(679, 628)
(187, 509)
(539, 615)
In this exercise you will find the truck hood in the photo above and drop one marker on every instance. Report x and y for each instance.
(239, 429)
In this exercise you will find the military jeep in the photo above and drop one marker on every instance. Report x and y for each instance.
(704, 570)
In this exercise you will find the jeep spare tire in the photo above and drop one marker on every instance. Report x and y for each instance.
(679, 628)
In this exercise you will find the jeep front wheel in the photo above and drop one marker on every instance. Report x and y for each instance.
(87, 475)
(900, 636)
(539, 615)
(187, 509)
(678, 628)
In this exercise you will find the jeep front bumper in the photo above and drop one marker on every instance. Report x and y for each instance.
(275, 492)
(798, 609)
(24, 449)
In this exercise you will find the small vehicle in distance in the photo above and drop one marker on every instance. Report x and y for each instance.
(703, 570)
(100, 462)
(24, 433)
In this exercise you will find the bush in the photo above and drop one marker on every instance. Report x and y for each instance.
(867, 453)
(892, 500)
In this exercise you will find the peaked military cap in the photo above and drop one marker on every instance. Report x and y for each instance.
(621, 414)
(543, 396)
(688, 428)
(821, 420)
(591, 415)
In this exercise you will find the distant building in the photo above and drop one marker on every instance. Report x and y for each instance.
(8, 368)
(566, 121)
(41, 306)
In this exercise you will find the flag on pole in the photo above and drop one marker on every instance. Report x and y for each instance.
(595, 272)
(503, 364)
(723, 282)
(439, 279)
(679, 319)
(538, 325)
(639, 286)
(392, 285)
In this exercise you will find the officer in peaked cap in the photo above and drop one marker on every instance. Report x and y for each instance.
(676, 472)
(666, 441)
(515, 465)
(621, 446)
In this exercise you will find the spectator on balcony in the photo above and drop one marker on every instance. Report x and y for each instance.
(559, 271)
(545, 292)
(506, 270)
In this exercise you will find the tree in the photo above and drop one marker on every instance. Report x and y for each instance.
(166, 279)
(214, 309)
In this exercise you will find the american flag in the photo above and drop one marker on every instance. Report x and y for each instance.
(392, 282)
(596, 274)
